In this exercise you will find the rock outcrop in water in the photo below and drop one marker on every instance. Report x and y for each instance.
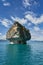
(18, 34)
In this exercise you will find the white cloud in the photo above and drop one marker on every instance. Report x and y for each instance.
(36, 28)
(6, 22)
(35, 3)
(6, 4)
(2, 37)
(36, 36)
(42, 31)
(12, 18)
(31, 13)
(29, 24)
(20, 20)
(0, 34)
(3, 0)
(35, 20)
(26, 3)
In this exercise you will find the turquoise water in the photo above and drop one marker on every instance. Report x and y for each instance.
(21, 54)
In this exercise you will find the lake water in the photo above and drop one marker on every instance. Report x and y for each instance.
(21, 54)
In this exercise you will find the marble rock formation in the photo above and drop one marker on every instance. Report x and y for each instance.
(18, 34)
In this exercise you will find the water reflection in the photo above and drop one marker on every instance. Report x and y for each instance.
(21, 54)
(18, 54)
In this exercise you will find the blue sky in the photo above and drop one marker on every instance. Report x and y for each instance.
(27, 12)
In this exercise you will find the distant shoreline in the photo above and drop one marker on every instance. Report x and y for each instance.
(27, 41)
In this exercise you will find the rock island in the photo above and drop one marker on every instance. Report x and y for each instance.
(18, 34)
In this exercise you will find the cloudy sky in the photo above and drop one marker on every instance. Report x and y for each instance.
(27, 12)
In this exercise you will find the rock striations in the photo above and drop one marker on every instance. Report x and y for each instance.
(18, 34)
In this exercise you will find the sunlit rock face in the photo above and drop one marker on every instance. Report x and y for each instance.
(18, 34)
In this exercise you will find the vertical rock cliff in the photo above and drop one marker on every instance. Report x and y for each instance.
(18, 33)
